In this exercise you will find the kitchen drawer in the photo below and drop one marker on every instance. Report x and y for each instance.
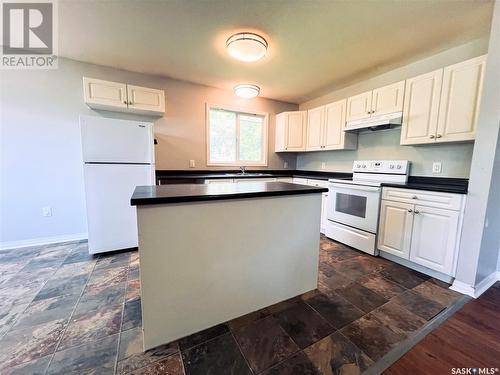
(262, 179)
(319, 183)
(425, 198)
(285, 179)
(218, 181)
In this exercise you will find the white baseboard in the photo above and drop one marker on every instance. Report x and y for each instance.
(476, 291)
(43, 241)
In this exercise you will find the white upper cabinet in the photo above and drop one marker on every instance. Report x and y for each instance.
(291, 131)
(143, 99)
(388, 99)
(460, 100)
(359, 106)
(443, 106)
(315, 128)
(115, 96)
(421, 106)
(334, 136)
(101, 94)
(325, 128)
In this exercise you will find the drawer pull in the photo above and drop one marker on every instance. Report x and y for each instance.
(410, 211)
(414, 197)
(417, 212)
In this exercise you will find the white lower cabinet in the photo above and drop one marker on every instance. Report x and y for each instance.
(324, 208)
(422, 231)
(434, 238)
(396, 220)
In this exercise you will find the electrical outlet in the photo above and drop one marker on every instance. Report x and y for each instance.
(436, 167)
(285, 165)
(323, 165)
(192, 164)
(47, 211)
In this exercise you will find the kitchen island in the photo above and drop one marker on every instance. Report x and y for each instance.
(211, 253)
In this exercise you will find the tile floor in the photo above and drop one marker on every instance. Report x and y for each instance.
(64, 311)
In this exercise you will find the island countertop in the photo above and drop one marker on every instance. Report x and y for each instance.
(160, 194)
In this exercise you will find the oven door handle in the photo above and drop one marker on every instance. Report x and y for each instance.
(356, 187)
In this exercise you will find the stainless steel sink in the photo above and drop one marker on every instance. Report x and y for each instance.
(247, 174)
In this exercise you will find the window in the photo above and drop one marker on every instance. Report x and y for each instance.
(236, 138)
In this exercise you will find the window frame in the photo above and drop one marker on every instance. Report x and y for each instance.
(265, 139)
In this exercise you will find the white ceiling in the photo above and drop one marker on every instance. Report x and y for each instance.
(313, 45)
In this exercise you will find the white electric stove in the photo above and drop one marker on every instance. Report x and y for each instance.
(354, 204)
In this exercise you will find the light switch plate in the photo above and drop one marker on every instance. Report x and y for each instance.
(192, 164)
(323, 165)
(285, 165)
(47, 211)
(436, 167)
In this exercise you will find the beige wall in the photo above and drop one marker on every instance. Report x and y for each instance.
(41, 162)
(456, 158)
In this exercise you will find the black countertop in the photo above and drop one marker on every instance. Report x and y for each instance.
(441, 184)
(175, 193)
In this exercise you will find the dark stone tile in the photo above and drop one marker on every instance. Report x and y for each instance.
(361, 297)
(381, 286)
(419, 305)
(96, 357)
(338, 311)
(437, 293)
(372, 336)
(248, 318)
(73, 269)
(108, 276)
(335, 354)
(133, 289)
(27, 344)
(283, 305)
(132, 315)
(133, 272)
(304, 325)
(218, 356)
(131, 355)
(264, 343)
(298, 364)
(202, 336)
(9, 315)
(398, 319)
(92, 326)
(80, 255)
(23, 287)
(46, 310)
(171, 365)
(97, 297)
(330, 280)
(45, 261)
(404, 276)
(35, 367)
(62, 286)
(112, 260)
(360, 266)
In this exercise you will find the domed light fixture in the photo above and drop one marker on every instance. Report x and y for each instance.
(246, 91)
(247, 47)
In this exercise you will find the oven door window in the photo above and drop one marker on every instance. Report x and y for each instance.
(350, 204)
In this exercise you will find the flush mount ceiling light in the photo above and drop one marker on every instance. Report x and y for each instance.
(246, 91)
(247, 47)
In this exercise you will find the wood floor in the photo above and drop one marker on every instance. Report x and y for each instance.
(469, 339)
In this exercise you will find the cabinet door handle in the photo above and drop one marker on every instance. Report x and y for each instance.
(125, 102)
(130, 103)
(417, 212)
(414, 197)
(438, 136)
(410, 210)
(432, 136)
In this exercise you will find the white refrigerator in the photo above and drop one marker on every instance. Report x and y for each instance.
(118, 155)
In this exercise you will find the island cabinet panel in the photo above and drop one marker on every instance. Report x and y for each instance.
(207, 262)
(460, 100)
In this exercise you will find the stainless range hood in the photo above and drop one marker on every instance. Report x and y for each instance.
(375, 122)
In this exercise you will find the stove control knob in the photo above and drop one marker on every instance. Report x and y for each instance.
(364, 165)
(358, 166)
(391, 166)
(399, 166)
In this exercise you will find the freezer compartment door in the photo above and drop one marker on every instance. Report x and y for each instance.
(116, 141)
(111, 220)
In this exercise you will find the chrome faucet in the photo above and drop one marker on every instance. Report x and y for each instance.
(242, 168)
